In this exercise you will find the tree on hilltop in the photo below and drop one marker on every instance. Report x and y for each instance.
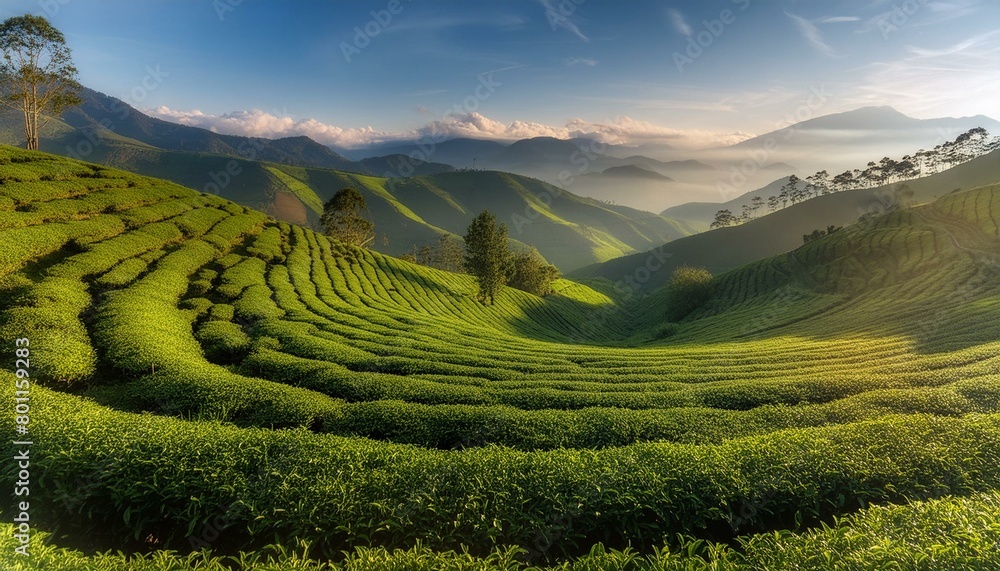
(343, 221)
(37, 76)
(723, 218)
(487, 257)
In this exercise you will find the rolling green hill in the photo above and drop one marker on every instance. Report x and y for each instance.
(725, 249)
(570, 231)
(203, 376)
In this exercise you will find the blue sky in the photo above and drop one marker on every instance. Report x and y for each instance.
(690, 73)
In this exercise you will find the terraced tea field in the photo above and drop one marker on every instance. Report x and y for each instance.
(202, 376)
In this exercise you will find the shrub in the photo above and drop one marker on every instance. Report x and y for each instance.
(533, 274)
(223, 341)
(689, 289)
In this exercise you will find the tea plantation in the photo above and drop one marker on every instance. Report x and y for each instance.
(212, 389)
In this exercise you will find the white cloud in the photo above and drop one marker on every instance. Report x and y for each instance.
(575, 61)
(839, 19)
(812, 34)
(258, 123)
(623, 130)
(680, 24)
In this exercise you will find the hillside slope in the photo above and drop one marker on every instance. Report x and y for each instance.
(193, 361)
(586, 230)
(101, 111)
(725, 249)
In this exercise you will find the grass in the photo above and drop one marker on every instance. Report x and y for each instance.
(192, 353)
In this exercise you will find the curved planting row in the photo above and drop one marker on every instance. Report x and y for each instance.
(859, 369)
(338, 492)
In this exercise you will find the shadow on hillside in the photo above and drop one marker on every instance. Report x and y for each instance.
(936, 321)
(565, 320)
(403, 272)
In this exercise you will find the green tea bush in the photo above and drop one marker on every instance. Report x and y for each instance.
(343, 397)
(123, 274)
(223, 341)
(48, 316)
(267, 245)
(361, 491)
(221, 312)
(19, 246)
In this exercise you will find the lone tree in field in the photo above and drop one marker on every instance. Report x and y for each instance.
(486, 255)
(37, 76)
(342, 219)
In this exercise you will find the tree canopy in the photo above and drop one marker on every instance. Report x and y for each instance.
(487, 257)
(342, 218)
(532, 273)
(37, 76)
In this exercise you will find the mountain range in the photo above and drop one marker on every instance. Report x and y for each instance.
(291, 178)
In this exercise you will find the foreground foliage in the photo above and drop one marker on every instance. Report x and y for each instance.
(951, 533)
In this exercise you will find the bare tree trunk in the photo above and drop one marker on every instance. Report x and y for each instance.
(34, 118)
(27, 124)
(34, 128)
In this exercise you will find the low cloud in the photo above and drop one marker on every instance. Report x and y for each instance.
(627, 131)
(623, 130)
(258, 123)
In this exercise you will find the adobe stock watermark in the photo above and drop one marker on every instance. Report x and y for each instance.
(558, 14)
(987, 270)
(698, 42)
(557, 532)
(21, 464)
(759, 157)
(427, 144)
(223, 7)
(363, 35)
(93, 137)
(900, 16)
(771, 315)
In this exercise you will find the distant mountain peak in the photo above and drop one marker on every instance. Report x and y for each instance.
(871, 117)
